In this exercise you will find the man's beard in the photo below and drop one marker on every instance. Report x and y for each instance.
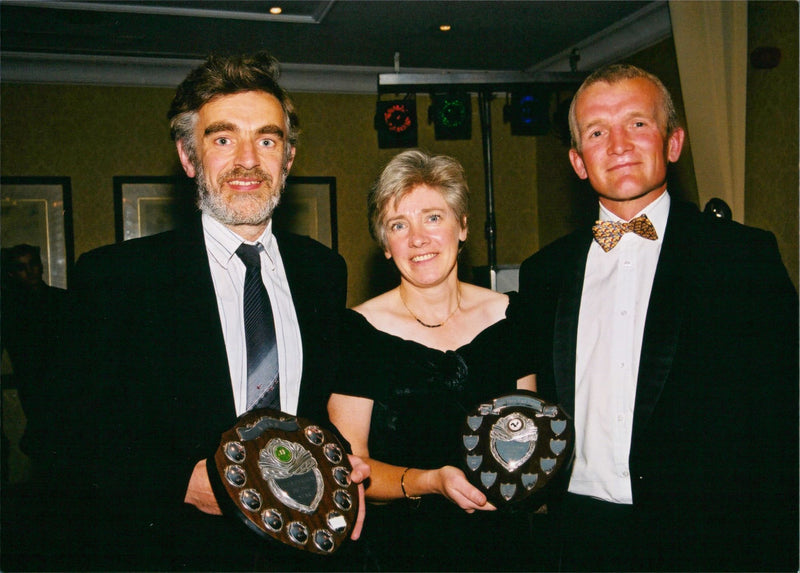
(250, 209)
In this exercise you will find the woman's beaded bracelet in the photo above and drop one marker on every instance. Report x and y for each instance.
(403, 486)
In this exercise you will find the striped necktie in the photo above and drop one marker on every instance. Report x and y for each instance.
(259, 328)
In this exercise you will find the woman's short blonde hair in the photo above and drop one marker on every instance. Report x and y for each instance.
(405, 172)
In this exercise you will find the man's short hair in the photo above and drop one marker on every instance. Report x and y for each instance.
(227, 75)
(612, 74)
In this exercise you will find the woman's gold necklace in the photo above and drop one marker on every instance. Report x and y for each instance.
(449, 316)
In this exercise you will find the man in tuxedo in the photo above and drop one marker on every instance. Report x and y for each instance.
(159, 357)
(671, 337)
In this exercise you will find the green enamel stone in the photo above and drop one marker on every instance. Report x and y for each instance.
(283, 454)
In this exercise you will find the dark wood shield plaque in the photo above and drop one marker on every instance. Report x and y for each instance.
(289, 479)
(515, 445)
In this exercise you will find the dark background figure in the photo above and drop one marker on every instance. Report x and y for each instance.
(676, 352)
(31, 313)
(31, 324)
(155, 363)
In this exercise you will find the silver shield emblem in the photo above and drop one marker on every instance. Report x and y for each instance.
(292, 474)
(513, 439)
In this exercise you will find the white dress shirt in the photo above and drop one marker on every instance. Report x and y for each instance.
(228, 271)
(616, 293)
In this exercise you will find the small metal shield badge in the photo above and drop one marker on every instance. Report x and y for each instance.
(515, 445)
(289, 480)
(513, 439)
(292, 475)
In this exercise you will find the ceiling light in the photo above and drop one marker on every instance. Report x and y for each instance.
(444, 28)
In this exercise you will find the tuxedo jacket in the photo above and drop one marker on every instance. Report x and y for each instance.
(150, 395)
(713, 458)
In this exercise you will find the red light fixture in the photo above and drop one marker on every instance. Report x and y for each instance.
(396, 123)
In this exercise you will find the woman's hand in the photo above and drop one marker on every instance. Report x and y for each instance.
(360, 472)
(452, 484)
(352, 416)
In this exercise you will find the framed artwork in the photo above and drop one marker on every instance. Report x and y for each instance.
(147, 205)
(38, 211)
(144, 206)
(308, 207)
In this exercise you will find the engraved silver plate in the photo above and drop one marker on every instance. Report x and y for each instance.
(272, 519)
(298, 532)
(251, 499)
(315, 435)
(343, 500)
(235, 475)
(514, 445)
(234, 451)
(333, 452)
(323, 539)
(336, 521)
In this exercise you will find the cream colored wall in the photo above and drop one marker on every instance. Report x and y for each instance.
(88, 134)
(91, 134)
(771, 174)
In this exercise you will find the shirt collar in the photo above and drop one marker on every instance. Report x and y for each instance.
(657, 212)
(222, 243)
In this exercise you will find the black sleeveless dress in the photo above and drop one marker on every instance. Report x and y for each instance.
(420, 399)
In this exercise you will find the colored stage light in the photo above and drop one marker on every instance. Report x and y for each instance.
(528, 112)
(396, 123)
(451, 116)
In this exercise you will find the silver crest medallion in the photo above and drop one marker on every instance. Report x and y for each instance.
(513, 439)
(292, 474)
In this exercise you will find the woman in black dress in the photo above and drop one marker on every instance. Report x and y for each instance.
(417, 359)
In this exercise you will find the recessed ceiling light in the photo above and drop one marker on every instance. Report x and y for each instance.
(444, 27)
(275, 10)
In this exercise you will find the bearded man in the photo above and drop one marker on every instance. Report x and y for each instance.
(159, 362)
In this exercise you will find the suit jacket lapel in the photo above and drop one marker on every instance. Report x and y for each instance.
(565, 335)
(664, 316)
(196, 303)
(297, 265)
(302, 272)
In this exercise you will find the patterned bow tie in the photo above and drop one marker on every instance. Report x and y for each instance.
(608, 233)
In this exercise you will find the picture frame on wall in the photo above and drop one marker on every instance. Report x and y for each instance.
(308, 207)
(38, 211)
(145, 205)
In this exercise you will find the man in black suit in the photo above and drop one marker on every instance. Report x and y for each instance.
(31, 310)
(676, 351)
(158, 361)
